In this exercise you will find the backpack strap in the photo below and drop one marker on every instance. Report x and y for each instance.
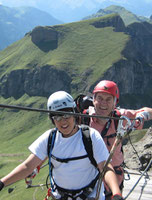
(85, 120)
(50, 141)
(88, 143)
(50, 146)
(106, 128)
(118, 115)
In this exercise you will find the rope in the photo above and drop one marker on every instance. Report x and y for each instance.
(148, 166)
(116, 143)
(57, 112)
(141, 165)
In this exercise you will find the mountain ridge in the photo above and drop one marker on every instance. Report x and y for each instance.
(87, 51)
(127, 16)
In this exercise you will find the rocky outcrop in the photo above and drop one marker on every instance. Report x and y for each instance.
(132, 77)
(114, 21)
(141, 41)
(46, 38)
(144, 149)
(36, 82)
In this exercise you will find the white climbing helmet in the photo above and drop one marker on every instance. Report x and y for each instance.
(60, 100)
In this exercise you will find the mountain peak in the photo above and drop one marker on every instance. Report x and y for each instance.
(127, 16)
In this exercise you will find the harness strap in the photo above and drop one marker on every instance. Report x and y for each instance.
(88, 144)
(106, 128)
(51, 145)
(110, 136)
(82, 193)
(50, 141)
(116, 113)
(66, 160)
(118, 170)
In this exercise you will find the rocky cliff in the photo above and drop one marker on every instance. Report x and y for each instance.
(138, 154)
(40, 81)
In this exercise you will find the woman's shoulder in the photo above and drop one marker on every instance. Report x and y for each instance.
(94, 134)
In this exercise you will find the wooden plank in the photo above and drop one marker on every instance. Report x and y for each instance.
(143, 190)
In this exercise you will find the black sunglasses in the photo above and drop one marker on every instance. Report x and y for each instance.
(59, 118)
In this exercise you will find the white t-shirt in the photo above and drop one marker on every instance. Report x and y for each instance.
(74, 174)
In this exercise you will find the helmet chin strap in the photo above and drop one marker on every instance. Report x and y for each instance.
(114, 106)
(115, 101)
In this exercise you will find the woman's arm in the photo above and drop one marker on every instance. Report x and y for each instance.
(22, 170)
(110, 178)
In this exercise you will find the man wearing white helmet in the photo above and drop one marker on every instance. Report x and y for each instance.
(73, 176)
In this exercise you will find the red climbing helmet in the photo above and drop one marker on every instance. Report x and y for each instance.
(109, 87)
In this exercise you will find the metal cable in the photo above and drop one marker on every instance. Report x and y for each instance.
(56, 112)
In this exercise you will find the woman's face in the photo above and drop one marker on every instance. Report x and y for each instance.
(65, 124)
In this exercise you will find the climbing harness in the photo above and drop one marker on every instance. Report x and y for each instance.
(83, 192)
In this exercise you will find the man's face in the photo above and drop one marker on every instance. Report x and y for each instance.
(103, 103)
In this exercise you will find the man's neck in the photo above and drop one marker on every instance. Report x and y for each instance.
(102, 121)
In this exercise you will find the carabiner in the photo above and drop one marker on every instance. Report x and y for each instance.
(122, 130)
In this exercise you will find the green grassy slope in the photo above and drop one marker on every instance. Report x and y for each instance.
(18, 130)
(81, 47)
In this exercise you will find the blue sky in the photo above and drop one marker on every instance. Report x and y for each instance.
(73, 10)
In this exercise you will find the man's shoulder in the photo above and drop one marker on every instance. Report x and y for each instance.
(120, 110)
(91, 110)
